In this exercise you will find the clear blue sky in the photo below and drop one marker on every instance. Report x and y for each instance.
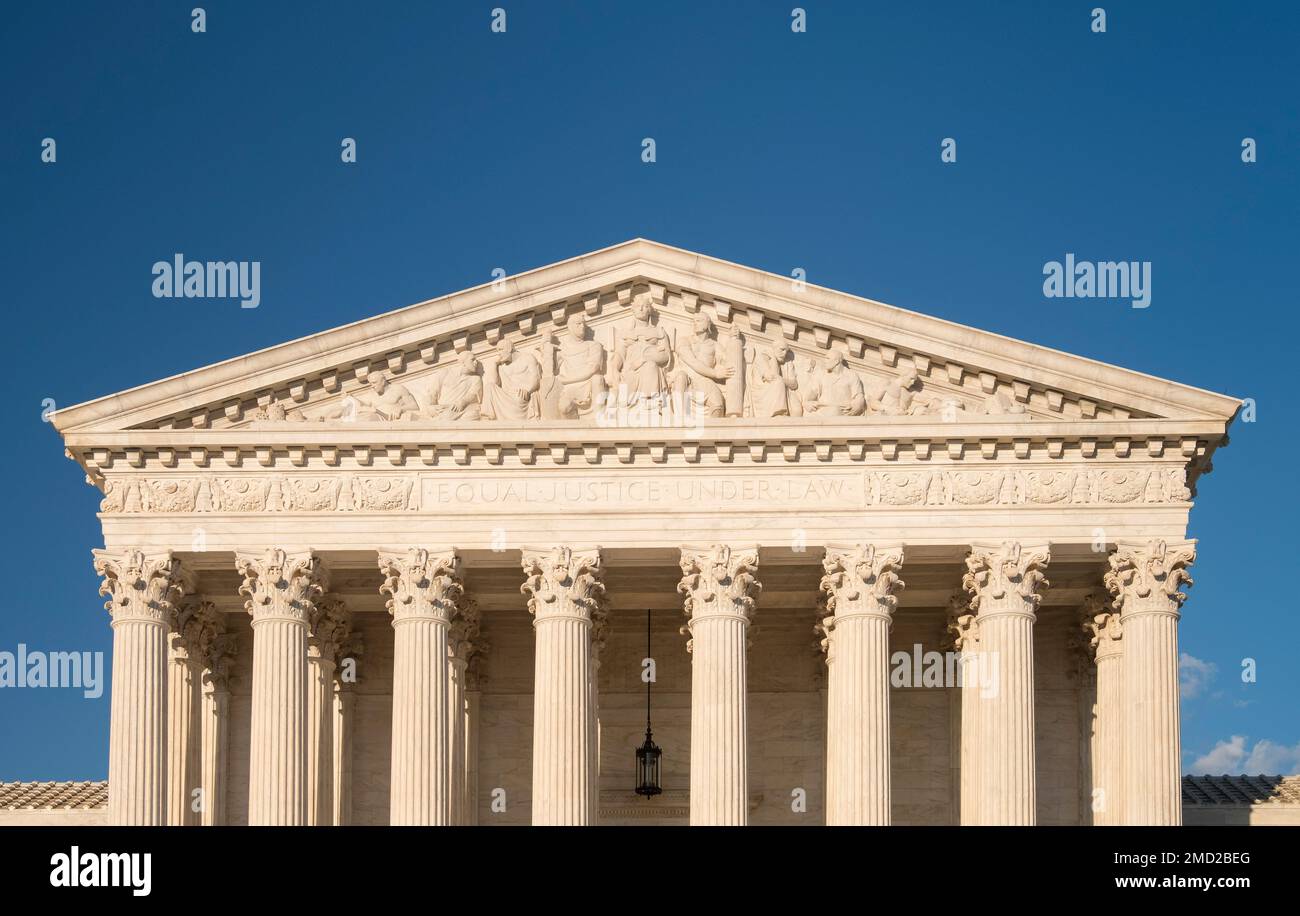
(777, 150)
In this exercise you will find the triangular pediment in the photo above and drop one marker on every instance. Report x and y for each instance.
(644, 305)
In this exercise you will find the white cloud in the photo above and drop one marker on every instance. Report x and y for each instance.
(1194, 675)
(1266, 758)
(1272, 759)
(1225, 758)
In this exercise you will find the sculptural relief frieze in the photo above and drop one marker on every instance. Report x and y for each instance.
(646, 368)
(901, 488)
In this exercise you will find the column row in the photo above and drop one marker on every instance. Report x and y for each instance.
(172, 656)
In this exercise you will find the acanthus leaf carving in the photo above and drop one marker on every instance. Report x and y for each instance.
(1006, 577)
(562, 582)
(421, 583)
(280, 584)
(859, 579)
(718, 581)
(141, 586)
(1150, 576)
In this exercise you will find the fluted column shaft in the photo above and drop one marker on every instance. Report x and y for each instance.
(320, 740)
(472, 698)
(1104, 652)
(1004, 582)
(1108, 748)
(282, 590)
(344, 716)
(1145, 581)
(860, 583)
(184, 699)
(142, 591)
(424, 589)
(970, 733)
(215, 742)
(964, 636)
(564, 587)
(328, 628)
(719, 589)
(456, 737)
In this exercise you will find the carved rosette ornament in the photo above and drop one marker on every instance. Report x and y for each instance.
(1145, 580)
(1005, 582)
(861, 583)
(420, 583)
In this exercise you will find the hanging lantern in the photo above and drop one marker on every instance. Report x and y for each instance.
(648, 754)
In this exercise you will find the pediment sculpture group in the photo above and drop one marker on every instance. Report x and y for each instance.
(711, 373)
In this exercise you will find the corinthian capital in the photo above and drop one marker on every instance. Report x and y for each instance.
(719, 581)
(962, 624)
(328, 626)
(1146, 578)
(1006, 578)
(563, 582)
(280, 584)
(420, 583)
(861, 579)
(1101, 626)
(140, 586)
(187, 620)
(465, 628)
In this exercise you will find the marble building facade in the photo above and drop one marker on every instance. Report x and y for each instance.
(398, 572)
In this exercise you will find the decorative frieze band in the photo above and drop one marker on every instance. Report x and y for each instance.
(922, 487)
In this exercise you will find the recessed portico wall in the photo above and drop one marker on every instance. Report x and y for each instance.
(787, 699)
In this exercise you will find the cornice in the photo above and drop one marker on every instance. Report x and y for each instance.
(745, 298)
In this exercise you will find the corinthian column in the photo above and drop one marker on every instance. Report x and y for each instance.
(184, 697)
(1145, 580)
(599, 634)
(282, 590)
(965, 640)
(474, 678)
(463, 632)
(142, 592)
(860, 585)
(1102, 627)
(328, 628)
(1004, 583)
(564, 587)
(345, 704)
(424, 589)
(719, 587)
(217, 652)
